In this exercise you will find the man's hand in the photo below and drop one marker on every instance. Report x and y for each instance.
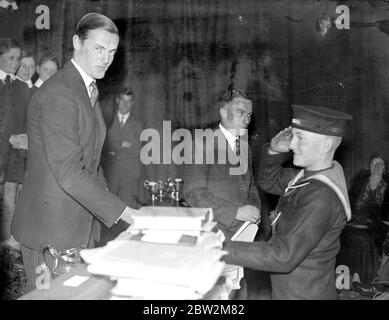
(248, 213)
(127, 215)
(280, 142)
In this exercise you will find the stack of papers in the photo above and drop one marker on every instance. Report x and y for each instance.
(171, 224)
(156, 270)
(167, 253)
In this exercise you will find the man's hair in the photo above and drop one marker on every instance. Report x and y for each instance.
(7, 44)
(48, 57)
(92, 21)
(26, 53)
(125, 91)
(230, 95)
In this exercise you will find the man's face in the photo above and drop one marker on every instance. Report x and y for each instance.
(237, 115)
(95, 54)
(307, 148)
(27, 68)
(125, 103)
(10, 60)
(47, 69)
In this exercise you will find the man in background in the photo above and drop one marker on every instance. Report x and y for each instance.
(47, 66)
(13, 100)
(227, 185)
(233, 197)
(121, 162)
(27, 68)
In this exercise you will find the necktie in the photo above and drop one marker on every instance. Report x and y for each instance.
(94, 93)
(237, 146)
(8, 80)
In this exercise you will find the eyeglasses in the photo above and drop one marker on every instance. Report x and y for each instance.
(377, 163)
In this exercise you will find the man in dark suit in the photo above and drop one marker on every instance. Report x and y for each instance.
(226, 184)
(64, 196)
(233, 197)
(120, 161)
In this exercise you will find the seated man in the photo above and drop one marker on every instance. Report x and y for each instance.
(233, 197)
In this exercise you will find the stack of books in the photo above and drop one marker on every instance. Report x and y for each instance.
(162, 256)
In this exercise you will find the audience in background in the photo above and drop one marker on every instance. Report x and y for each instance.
(234, 198)
(363, 238)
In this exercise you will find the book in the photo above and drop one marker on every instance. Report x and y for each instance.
(246, 232)
(172, 218)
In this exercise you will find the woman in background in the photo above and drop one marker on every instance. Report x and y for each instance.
(363, 237)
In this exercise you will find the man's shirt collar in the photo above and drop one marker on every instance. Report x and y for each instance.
(4, 74)
(123, 116)
(87, 79)
(28, 82)
(229, 136)
(38, 83)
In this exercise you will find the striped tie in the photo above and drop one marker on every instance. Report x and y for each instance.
(237, 146)
(7, 80)
(94, 93)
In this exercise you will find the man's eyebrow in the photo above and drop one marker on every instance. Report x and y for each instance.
(243, 110)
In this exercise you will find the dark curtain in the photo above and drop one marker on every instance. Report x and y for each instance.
(180, 55)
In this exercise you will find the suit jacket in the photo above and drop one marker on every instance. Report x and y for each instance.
(64, 190)
(20, 95)
(6, 125)
(129, 132)
(213, 185)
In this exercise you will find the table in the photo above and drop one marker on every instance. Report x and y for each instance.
(95, 288)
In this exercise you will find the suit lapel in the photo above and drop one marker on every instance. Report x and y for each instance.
(78, 87)
(101, 128)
